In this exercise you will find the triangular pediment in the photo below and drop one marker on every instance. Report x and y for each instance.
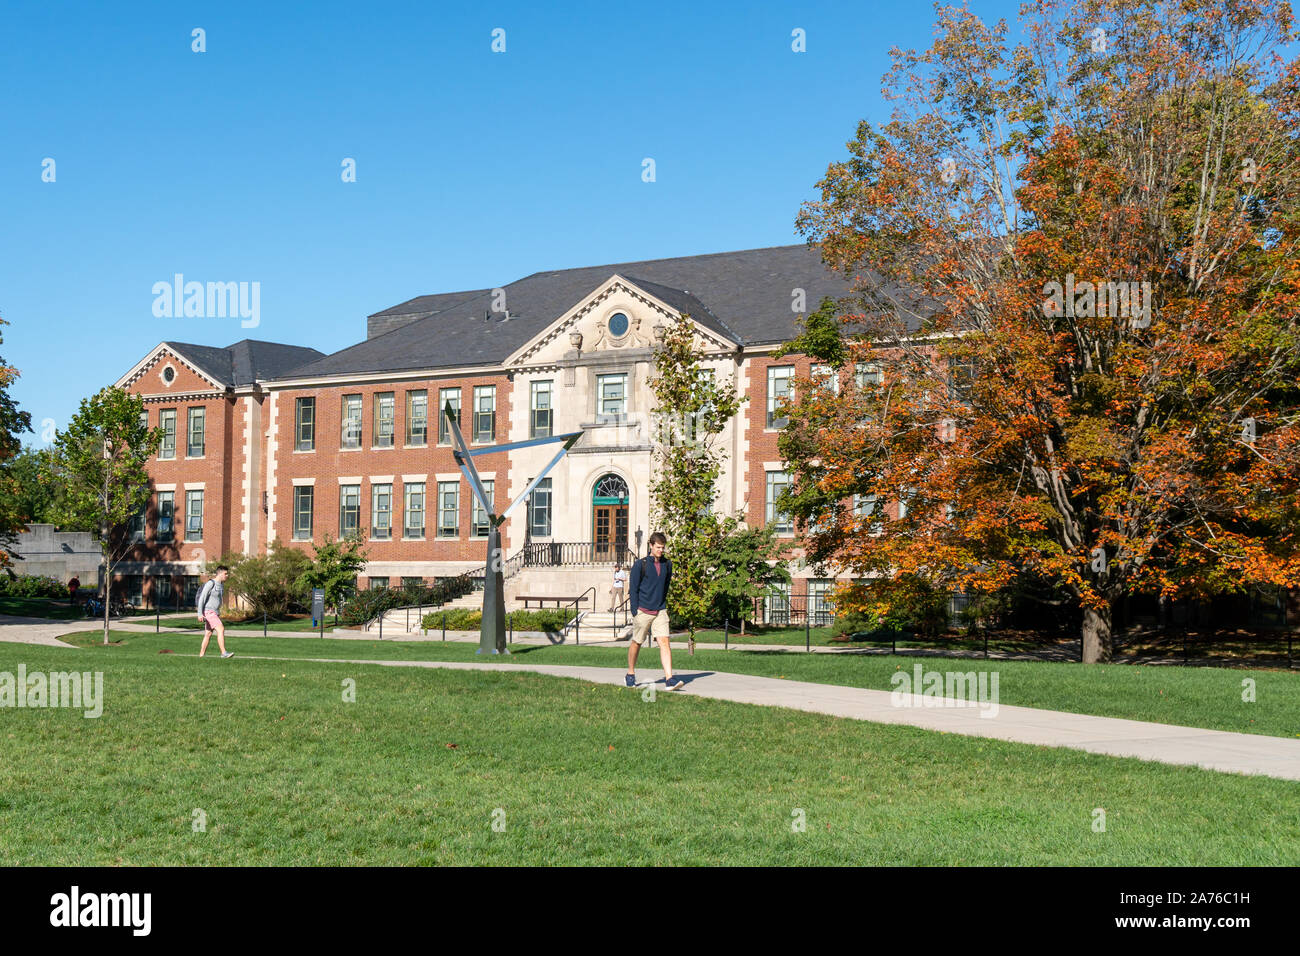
(596, 319)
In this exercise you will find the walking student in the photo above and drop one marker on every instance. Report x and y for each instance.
(651, 576)
(209, 607)
(616, 591)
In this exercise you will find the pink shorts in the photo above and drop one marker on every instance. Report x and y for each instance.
(211, 621)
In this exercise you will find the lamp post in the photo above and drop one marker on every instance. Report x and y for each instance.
(492, 633)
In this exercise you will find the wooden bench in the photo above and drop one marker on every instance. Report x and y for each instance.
(541, 599)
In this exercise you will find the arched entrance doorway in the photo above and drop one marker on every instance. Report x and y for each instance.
(609, 501)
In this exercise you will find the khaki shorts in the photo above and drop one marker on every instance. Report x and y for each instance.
(645, 626)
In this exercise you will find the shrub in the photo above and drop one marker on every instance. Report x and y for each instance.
(32, 586)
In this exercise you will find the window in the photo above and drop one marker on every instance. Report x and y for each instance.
(777, 482)
(776, 604)
(162, 591)
(827, 376)
(694, 422)
(961, 378)
(167, 419)
(819, 607)
(135, 527)
(381, 511)
(134, 589)
(866, 375)
(385, 410)
(414, 527)
(190, 589)
(304, 417)
(166, 516)
(144, 419)
(379, 584)
(349, 510)
(194, 447)
(446, 395)
(303, 506)
(539, 509)
(351, 421)
(194, 516)
(618, 325)
(611, 394)
(540, 421)
(417, 417)
(412, 583)
(485, 413)
(478, 522)
(864, 507)
(448, 509)
(779, 379)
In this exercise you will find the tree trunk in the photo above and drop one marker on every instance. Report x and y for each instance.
(108, 596)
(1097, 645)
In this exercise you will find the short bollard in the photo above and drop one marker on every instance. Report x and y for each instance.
(264, 622)
(444, 625)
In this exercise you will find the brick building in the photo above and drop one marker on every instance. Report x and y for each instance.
(271, 441)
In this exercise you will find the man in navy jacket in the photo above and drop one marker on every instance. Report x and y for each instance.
(648, 588)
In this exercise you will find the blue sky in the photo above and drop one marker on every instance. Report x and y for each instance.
(473, 168)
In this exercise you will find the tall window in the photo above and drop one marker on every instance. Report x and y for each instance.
(167, 420)
(825, 375)
(417, 417)
(780, 379)
(776, 603)
(351, 421)
(478, 521)
(446, 395)
(349, 510)
(864, 507)
(304, 417)
(819, 607)
(135, 527)
(866, 375)
(777, 482)
(539, 509)
(414, 492)
(194, 516)
(905, 498)
(448, 509)
(194, 448)
(381, 511)
(485, 413)
(162, 590)
(611, 394)
(166, 515)
(385, 412)
(379, 584)
(540, 405)
(303, 508)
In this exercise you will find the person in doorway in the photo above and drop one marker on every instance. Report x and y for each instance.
(649, 583)
(616, 590)
(209, 608)
(73, 587)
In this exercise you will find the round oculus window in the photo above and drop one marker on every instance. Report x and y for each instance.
(618, 325)
(169, 374)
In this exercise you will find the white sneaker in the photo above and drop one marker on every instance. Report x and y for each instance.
(227, 654)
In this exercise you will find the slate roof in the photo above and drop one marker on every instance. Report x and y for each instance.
(744, 296)
(246, 361)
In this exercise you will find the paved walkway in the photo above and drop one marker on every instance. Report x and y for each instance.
(1116, 737)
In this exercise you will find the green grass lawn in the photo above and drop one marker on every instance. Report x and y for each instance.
(417, 769)
(40, 607)
(1190, 696)
(190, 622)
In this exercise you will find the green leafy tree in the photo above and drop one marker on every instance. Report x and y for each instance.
(12, 424)
(743, 568)
(99, 462)
(693, 410)
(35, 499)
(268, 583)
(335, 567)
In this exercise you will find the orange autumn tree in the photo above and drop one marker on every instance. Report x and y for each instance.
(1073, 352)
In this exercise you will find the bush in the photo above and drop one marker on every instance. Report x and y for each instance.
(269, 583)
(548, 620)
(32, 586)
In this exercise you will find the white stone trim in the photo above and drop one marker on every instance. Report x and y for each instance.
(272, 453)
(424, 478)
(448, 476)
(304, 482)
(167, 487)
(349, 479)
(195, 486)
(381, 479)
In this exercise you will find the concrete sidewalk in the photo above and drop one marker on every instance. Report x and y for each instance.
(1113, 736)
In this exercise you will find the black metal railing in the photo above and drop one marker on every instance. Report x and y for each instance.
(785, 610)
(554, 554)
(577, 613)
